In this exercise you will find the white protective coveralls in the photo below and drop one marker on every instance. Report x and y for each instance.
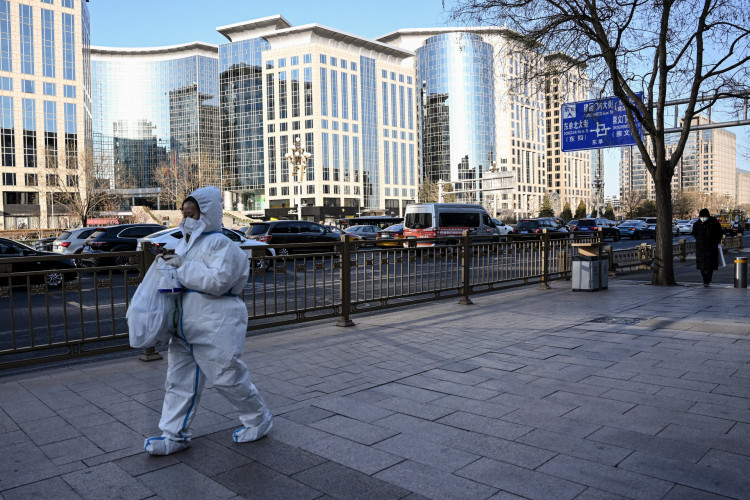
(213, 323)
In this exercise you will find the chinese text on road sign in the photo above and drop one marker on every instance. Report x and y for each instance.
(600, 123)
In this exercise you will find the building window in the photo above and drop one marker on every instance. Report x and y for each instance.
(67, 4)
(325, 164)
(6, 57)
(295, 92)
(394, 123)
(308, 90)
(26, 28)
(323, 92)
(402, 105)
(294, 61)
(48, 43)
(410, 112)
(50, 134)
(7, 138)
(282, 95)
(69, 91)
(29, 133)
(9, 179)
(49, 88)
(310, 147)
(28, 86)
(307, 59)
(336, 158)
(71, 135)
(385, 102)
(272, 160)
(344, 96)
(30, 179)
(386, 163)
(322, 59)
(69, 45)
(270, 96)
(334, 92)
(354, 97)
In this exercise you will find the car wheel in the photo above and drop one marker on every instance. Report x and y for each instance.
(54, 279)
(263, 264)
(282, 251)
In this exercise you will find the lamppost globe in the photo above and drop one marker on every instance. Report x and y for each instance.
(298, 158)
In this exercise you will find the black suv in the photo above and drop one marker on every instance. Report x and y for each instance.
(120, 238)
(284, 232)
(593, 225)
(532, 228)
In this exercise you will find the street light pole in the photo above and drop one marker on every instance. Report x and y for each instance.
(298, 158)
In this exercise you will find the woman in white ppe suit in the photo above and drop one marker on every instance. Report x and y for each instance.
(213, 323)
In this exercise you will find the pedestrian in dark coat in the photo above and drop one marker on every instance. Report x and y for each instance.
(708, 233)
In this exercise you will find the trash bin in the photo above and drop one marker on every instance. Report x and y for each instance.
(586, 272)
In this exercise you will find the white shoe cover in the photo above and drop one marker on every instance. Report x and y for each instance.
(247, 434)
(164, 446)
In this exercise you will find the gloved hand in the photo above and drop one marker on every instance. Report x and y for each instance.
(173, 260)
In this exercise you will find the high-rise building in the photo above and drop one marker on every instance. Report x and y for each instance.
(45, 108)
(708, 165)
(506, 113)
(349, 100)
(156, 114)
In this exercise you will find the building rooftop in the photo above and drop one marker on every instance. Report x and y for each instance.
(253, 28)
(179, 49)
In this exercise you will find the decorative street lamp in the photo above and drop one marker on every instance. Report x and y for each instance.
(298, 158)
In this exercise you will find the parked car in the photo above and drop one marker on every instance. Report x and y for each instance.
(593, 225)
(57, 268)
(391, 236)
(501, 228)
(433, 220)
(44, 244)
(365, 232)
(71, 241)
(571, 224)
(333, 229)
(532, 228)
(284, 232)
(636, 229)
(168, 239)
(686, 226)
(119, 238)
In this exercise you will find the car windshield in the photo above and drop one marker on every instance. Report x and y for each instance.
(64, 235)
(98, 233)
(395, 228)
(585, 223)
(258, 229)
(418, 220)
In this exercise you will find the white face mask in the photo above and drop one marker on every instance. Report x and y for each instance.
(189, 224)
(704, 219)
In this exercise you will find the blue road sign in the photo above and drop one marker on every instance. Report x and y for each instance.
(596, 124)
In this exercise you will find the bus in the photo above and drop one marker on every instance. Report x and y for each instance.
(382, 221)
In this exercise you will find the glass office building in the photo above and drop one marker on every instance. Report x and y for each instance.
(156, 115)
(458, 112)
(45, 108)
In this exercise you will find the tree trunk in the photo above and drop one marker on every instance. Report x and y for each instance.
(663, 253)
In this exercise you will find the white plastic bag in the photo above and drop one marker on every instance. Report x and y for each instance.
(723, 263)
(168, 282)
(152, 316)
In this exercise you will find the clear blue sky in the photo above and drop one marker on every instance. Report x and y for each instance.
(144, 23)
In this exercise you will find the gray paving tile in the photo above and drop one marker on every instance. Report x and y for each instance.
(426, 429)
(112, 437)
(13, 437)
(338, 481)
(721, 412)
(352, 409)
(520, 481)
(727, 461)
(597, 494)
(23, 406)
(179, 482)
(405, 391)
(354, 430)
(295, 434)
(485, 425)
(627, 422)
(695, 420)
(510, 452)
(575, 447)
(445, 387)
(255, 480)
(580, 400)
(142, 462)
(612, 479)
(210, 458)
(438, 456)
(278, 456)
(668, 448)
(24, 463)
(484, 408)
(433, 483)
(680, 492)
(71, 450)
(419, 410)
(49, 488)
(353, 455)
(307, 414)
(106, 481)
(704, 477)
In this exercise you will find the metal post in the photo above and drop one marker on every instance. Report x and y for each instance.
(682, 244)
(740, 272)
(346, 282)
(545, 260)
(466, 266)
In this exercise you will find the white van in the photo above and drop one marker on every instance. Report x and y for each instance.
(434, 220)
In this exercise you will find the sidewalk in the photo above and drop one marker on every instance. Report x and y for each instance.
(633, 392)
